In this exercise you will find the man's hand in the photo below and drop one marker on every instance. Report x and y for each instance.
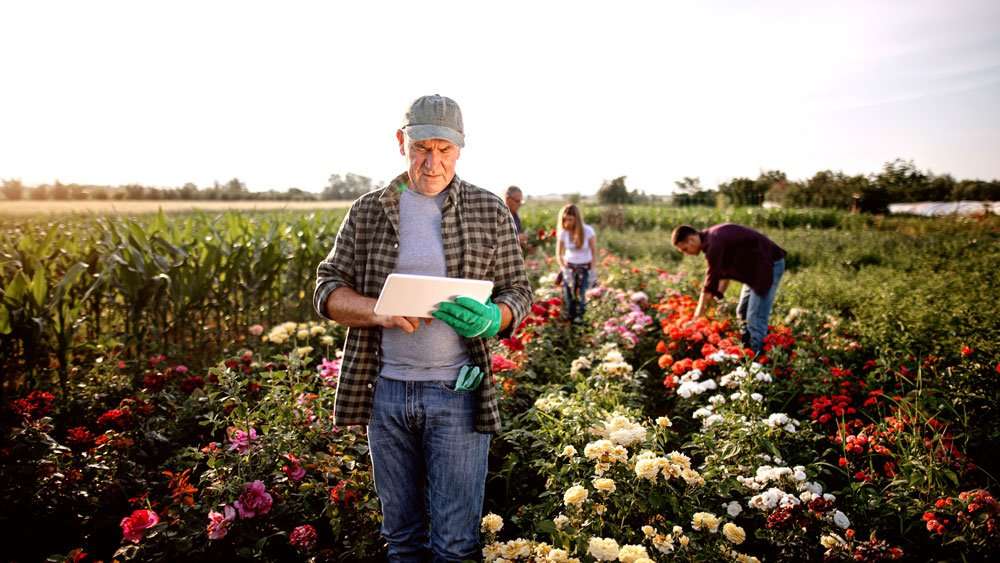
(408, 324)
(469, 317)
(704, 302)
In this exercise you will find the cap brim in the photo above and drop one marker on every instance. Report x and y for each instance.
(423, 132)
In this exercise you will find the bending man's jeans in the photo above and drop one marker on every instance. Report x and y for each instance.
(430, 469)
(755, 309)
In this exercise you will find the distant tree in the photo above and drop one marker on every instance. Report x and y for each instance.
(188, 191)
(614, 192)
(12, 189)
(941, 188)
(233, 190)
(742, 191)
(770, 180)
(134, 191)
(574, 198)
(99, 193)
(690, 192)
(76, 192)
(688, 184)
(39, 193)
(348, 187)
(59, 191)
(902, 181)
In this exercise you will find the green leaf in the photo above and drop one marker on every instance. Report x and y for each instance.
(39, 289)
(17, 287)
(5, 327)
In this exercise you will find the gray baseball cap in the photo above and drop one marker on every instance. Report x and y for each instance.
(434, 117)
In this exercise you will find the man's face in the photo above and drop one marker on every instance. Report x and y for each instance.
(690, 246)
(432, 162)
(514, 201)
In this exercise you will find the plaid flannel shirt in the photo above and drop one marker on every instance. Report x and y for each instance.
(480, 242)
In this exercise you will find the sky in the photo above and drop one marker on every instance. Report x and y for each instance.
(556, 96)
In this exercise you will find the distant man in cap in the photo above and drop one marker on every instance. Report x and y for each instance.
(425, 391)
(514, 198)
(735, 252)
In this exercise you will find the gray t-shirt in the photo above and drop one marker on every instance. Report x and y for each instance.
(434, 352)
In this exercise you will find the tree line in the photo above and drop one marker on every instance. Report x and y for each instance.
(899, 181)
(346, 187)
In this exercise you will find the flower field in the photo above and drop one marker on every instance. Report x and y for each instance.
(168, 396)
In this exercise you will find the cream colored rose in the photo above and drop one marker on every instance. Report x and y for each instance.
(734, 533)
(632, 553)
(561, 521)
(569, 451)
(705, 521)
(492, 523)
(831, 541)
(604, 485)
(603, 549)
(575, 495)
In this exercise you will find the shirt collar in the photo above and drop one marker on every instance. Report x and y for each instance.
(399, 184)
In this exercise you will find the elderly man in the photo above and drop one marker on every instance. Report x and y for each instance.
(742, 254)
(428, 431)
(514, 198)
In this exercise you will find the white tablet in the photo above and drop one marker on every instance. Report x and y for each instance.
(407, 295)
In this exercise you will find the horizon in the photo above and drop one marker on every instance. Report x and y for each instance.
(161, 96)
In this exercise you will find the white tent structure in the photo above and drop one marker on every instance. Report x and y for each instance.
(938, 208)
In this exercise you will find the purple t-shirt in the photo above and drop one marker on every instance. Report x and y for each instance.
(735, 252)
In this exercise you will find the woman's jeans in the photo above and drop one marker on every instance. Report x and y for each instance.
(576, 281)
(755, 309)
(430, 469)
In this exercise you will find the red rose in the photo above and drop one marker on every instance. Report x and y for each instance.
(135, 526)
(303, 537)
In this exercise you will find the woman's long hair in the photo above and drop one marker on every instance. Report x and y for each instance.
(577, 234)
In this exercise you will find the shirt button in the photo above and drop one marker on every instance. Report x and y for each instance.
(396, 245)
(369, 385)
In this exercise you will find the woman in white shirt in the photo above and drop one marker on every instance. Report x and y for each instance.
(576, 252)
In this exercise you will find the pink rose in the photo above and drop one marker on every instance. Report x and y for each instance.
(329, 370)
(218, 523)
(294, 470)
(135, 526)
(257, 330)
(254, 501)
(241, 440)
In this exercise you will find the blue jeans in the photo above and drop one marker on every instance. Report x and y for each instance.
(576, 282)
(755, 309)
(430, 469)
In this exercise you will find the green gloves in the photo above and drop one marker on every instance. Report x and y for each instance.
(468, 378)
(469, 317)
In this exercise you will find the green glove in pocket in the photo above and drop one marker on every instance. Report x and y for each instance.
(469, 378)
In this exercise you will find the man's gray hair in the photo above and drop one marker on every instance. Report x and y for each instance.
(512, 191)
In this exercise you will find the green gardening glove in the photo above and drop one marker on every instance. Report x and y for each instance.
(468, 378)
(469, 317)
